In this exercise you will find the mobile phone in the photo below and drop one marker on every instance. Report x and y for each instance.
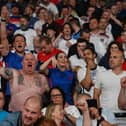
(92, 103)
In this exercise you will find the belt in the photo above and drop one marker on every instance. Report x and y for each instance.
(121, 114)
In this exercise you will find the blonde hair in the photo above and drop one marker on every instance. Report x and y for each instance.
(50, 109)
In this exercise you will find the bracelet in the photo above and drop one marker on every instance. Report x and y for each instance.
(100, 120)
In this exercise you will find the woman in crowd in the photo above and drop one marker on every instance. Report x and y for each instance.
(56, 113)
(57, 96)
(61, 76)
(66, 40)
(113, 46)
(42, 15)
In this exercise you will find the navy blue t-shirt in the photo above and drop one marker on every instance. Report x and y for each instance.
(63, 79)
(13, 60)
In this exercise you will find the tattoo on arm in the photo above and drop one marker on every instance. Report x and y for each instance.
(37, 81)
(8, 73)
(20, 79)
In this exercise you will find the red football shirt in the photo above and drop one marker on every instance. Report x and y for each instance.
(42, 56)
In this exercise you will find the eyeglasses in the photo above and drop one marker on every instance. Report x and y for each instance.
(56, 95)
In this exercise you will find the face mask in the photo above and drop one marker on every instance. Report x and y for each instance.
(24, 27)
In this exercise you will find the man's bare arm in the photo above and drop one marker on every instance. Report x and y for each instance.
(87, 81)
(96, 96)
(122, 99)
(4, 47)
(3, 31)
(122, 94)
(6, 73)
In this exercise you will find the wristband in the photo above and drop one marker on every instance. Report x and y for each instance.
(100, 120)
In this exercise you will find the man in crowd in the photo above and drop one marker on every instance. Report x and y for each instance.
(47, 52)
(28, 116)
(87, 74)
(96, 38)
(98, 116)
(76, 60)
(24, 82)
(29, 33)
(107, 86)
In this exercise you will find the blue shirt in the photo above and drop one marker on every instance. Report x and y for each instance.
(13, 119)
(63, 79)
(13, 60)
(3, 115)
(76, 35)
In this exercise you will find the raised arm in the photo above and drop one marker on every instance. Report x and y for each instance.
(87, 81)
(55, 43)
(4, 19)
(3, 36)
(3, 32)
(96, 96)
(6, 73)
(122, 94)
(44, 81)
(86, 119)
(83, 106)
(44, 66)
(117, 21)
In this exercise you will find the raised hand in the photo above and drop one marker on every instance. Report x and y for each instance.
(123, 82)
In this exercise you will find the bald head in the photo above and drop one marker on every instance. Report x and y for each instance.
(116, 59)
(31, 111)
(36, 100)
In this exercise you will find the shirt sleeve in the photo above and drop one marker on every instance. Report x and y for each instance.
(72, 110)
(81, 74)
(109, 116)
(79, 121)
(10, 120)
(98, 81)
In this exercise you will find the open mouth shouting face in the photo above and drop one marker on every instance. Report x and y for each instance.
(67, 29)
(19, 44)
(61, 59)
(29, 63)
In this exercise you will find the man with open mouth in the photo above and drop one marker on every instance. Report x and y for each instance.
(25, 82)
